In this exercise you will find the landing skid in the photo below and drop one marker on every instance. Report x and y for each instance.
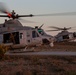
(16, 51)
(22, 50)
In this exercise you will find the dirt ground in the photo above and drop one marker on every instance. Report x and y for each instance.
(41, 65)
(63, 46)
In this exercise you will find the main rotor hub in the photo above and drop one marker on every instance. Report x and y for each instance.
(13, 15)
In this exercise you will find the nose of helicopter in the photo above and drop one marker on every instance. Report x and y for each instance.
(51, 42)
(51, 39)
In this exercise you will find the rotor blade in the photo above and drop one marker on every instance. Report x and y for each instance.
(60, 28)
(55, 27)
(57, 14)
(68, 28)
(41, 26)
(73, 29)
(26, 15)
(3, 15)
(51, 30)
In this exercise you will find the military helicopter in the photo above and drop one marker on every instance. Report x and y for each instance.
(64, 35)
(14, 34)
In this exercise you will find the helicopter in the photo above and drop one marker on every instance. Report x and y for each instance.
(64, 35)
(23, 36)
(15, 35)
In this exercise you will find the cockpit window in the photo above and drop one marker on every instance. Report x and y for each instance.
(21, 35)
(41, 31)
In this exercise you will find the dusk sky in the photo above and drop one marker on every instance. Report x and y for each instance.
(35, 7)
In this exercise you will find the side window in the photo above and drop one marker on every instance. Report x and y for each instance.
(28, 34)
(65, 37)
(74, 34)
(21, 35)
(34, 34)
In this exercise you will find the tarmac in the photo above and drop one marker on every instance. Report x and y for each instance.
(46, 53)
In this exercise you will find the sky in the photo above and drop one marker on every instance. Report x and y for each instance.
(35, 7)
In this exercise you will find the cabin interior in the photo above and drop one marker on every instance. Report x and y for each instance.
(11, 38)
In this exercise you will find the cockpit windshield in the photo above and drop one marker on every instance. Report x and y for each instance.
(41, 31)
